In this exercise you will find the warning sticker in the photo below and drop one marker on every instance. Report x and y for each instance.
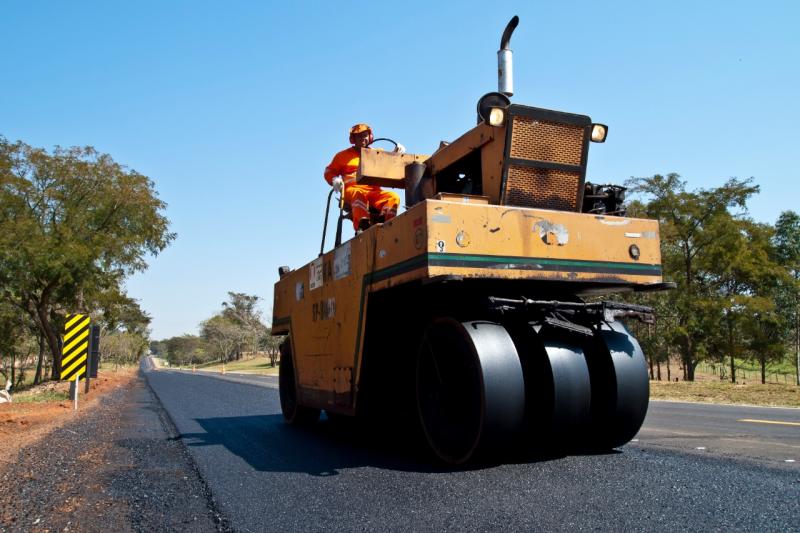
(315, 274)
(341, 261)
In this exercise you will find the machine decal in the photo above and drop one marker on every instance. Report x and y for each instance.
(462, 239)
(551, 233)
(315, 274)
(299, 291)
(440, 246)
(441, 219)
(341, 261)
(323, 310)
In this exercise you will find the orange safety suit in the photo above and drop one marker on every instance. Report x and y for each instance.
(360, 197)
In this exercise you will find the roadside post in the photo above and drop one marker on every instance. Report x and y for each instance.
(75, 351)
(94, 355)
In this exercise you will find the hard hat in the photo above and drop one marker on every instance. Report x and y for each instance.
(360, 128)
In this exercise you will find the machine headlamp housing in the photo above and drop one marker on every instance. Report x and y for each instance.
(599, 133)
(492, 108)
(497, 116)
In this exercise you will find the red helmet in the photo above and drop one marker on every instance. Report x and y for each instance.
(361, 128)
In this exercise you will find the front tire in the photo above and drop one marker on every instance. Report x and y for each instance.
(294, 413)
(470, 390)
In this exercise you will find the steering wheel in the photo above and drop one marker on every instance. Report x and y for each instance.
(384, 139)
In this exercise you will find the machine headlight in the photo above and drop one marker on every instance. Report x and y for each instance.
(492, 108)
(599, 132)
(496, 116)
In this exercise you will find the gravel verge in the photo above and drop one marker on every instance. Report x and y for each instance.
(120, 466)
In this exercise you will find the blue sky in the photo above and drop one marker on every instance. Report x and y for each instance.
(235, 108)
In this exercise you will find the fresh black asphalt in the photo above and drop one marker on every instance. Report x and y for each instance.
(265, 476)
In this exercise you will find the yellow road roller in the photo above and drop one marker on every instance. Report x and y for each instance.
(480, 309)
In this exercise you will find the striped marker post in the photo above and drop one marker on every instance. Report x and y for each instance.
(75, 353)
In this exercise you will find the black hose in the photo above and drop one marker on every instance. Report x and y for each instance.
(325, 225)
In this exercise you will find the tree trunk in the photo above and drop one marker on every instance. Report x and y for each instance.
(13, 369)
(650, 360)
(38, 377)
(669, 372)
(52, 340)
(688, 360)
(690, 371)
(763, 361)
(733, 369)
(658, 366)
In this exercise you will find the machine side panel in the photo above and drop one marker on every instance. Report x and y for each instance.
(319, 305)
(522, 243)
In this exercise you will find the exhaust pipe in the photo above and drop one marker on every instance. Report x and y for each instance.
(505, 70)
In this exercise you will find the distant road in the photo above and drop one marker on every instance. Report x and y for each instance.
(267, 476)
(765, 434)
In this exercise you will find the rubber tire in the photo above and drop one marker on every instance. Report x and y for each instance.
(293, 413)
(558, 387)
(469, 388)
(620, 385)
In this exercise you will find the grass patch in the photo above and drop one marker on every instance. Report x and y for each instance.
(43, 396)
(771, 394)
(256, 365)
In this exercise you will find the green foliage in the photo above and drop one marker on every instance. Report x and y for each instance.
(239, 327)
(787, 294)
(73, 224)
(726, 270)
(186, 350)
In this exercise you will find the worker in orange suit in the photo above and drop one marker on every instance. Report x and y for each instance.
(341, 174)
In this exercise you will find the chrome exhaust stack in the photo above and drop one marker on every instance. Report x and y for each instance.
(505, 69)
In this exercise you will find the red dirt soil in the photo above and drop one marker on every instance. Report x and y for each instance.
(24, 423)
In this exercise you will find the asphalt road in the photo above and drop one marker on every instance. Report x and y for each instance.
(264, 475)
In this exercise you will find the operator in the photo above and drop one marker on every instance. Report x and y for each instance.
(341, 174)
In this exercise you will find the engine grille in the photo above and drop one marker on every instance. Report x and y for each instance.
(542, 187)
(543, 140)
(532, 185)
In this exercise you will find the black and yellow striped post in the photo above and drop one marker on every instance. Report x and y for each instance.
(75, 353)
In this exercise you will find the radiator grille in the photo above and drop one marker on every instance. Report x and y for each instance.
(541, 187)
(543, 140)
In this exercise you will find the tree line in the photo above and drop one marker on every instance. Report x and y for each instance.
(738, 281)
(74, 224)
(237, 329)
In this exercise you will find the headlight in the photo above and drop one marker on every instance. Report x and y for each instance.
(496, 116)
(599, 132)
(491, 108)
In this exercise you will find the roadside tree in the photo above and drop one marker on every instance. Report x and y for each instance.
(72, 222)
(787, 250)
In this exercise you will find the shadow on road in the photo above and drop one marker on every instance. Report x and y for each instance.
(268, 444)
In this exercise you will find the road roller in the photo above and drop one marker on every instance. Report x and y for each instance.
(481, 311)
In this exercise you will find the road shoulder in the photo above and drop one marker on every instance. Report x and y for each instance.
(120, 466)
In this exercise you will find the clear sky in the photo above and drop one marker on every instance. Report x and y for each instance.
(235, 108)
